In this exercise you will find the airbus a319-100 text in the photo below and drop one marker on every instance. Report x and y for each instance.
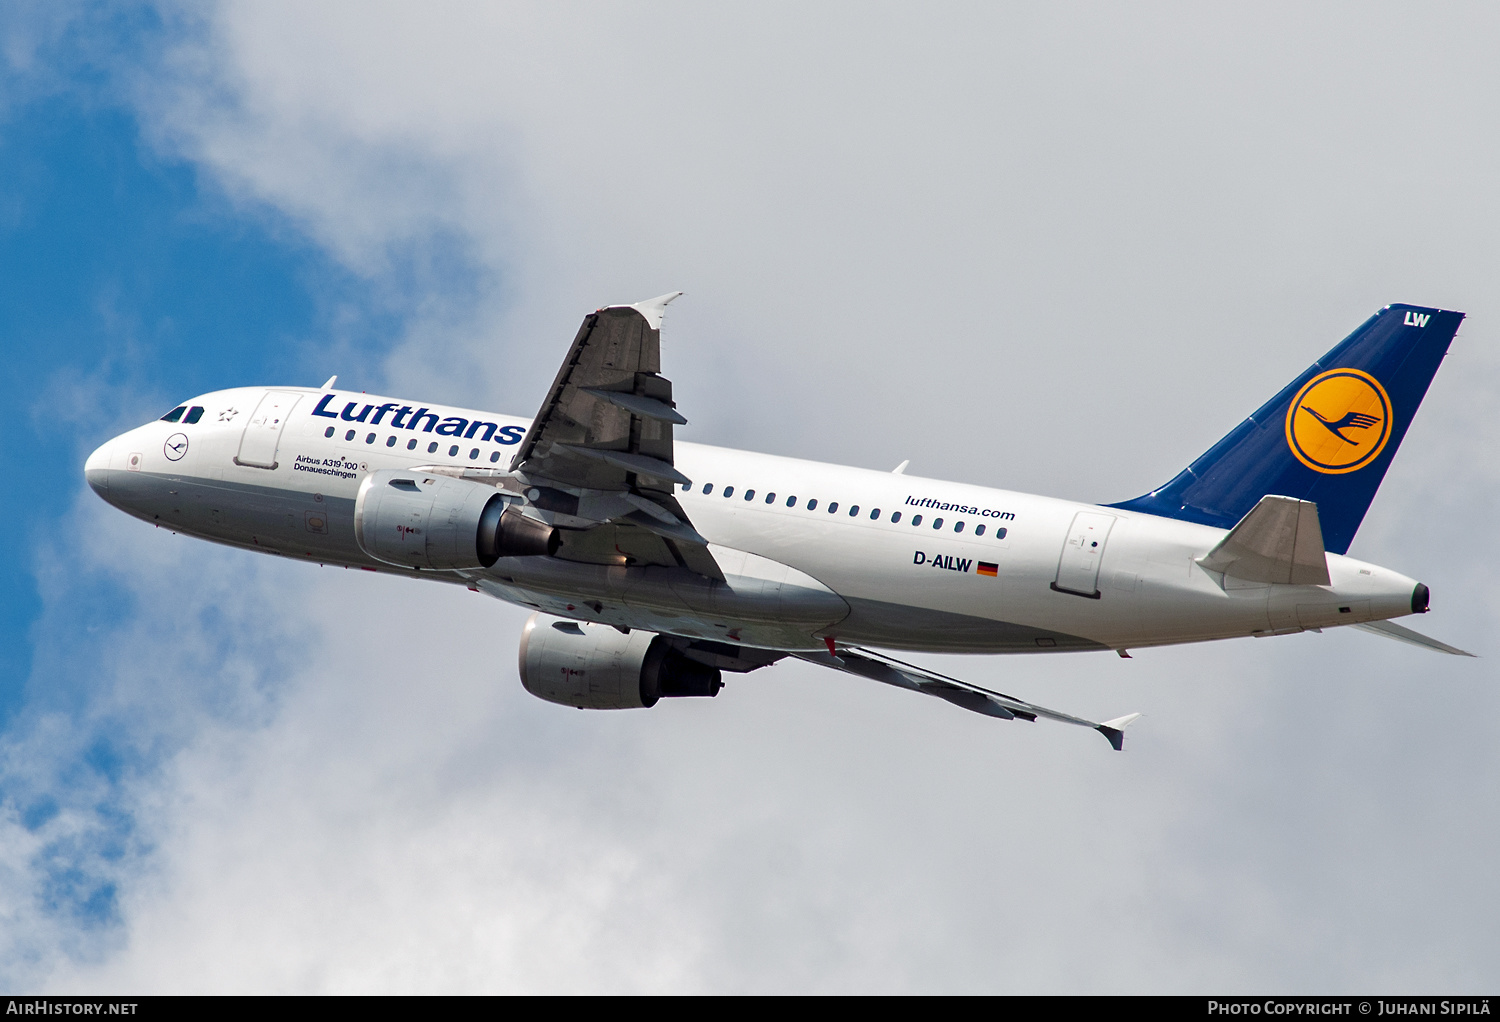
(655, 566)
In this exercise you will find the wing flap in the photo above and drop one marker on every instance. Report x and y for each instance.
(640, 464)
(637, 405)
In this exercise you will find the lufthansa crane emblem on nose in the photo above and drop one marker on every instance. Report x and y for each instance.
(175, 447)
(1339, 422)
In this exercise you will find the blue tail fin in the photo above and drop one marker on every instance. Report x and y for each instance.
(1327, 437)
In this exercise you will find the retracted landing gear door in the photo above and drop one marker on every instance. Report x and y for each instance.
(1078, 568)
(263, 431)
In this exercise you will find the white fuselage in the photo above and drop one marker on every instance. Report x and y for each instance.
(1030, 580)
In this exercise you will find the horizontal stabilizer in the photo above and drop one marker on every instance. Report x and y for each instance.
(1279, 541)
(1403, 634)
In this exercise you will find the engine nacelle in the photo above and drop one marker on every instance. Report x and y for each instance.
(596, 667)
(435, 521)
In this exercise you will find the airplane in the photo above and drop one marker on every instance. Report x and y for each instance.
(654, 567)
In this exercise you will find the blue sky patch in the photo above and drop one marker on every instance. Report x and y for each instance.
(129, 284)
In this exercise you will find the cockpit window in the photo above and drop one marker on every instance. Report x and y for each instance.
(174, 414)
(194, 414)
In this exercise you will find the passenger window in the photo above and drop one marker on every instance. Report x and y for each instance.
(494, 457)
(895, 517)
(875, 514)
(453, 451)
(749, 494)
(958, 526)
(349, 435)
(174, 414)
(687, 487)
(708, 487)
(854, 511)
(370, 439)
(791, 502)
(1000, 532)
(729, 491)
(431, 448)
(474, 454)
(328, 431)
(411, 445)
(979, 529)
(812, 505)
(390, 441)
(194, 414)
(937, 523)
(916, 520)
(770, 498)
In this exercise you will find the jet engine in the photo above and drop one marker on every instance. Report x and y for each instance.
(596, 667)
(436, 521)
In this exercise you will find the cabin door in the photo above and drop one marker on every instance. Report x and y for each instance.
(1078, 568)
(263, 431)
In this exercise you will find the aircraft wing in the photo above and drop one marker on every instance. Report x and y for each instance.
(879, 667)
(599, 452)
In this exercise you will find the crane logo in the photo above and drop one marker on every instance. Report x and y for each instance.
(1339, 422)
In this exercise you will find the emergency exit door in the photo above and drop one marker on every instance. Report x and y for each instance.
(263, 432)
(1078, 568)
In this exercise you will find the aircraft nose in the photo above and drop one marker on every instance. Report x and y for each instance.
(96, 470)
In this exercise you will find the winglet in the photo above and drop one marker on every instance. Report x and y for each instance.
(1114, 730)
(654, 308)
(331, 381)
(901, 468)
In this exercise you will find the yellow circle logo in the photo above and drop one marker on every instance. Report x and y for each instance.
(1339, 422)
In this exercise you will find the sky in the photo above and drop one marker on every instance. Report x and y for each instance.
(1057, 249)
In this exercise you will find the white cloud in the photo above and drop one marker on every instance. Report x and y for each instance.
(1060, 251)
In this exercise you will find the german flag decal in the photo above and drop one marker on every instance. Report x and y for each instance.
(986, 568)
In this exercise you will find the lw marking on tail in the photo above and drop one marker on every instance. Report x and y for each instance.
(1416, 319)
